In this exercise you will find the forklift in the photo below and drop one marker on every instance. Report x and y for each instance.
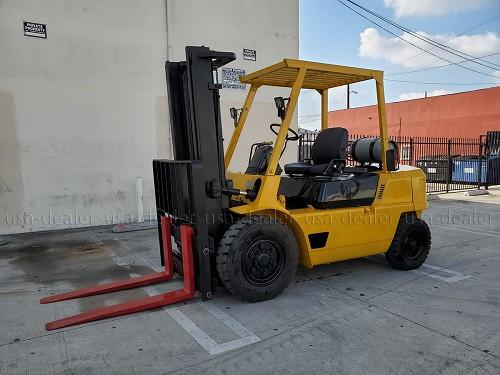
(250, 231)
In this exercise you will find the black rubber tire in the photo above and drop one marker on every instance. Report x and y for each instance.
(411, 244)
(240, 240)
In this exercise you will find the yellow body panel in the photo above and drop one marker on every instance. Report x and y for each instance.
(353, 232)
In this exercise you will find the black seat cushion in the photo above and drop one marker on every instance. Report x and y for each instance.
(329, 152)
(297, 168)
(325, 168)
(309, 169)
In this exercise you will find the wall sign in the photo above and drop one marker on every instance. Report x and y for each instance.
(37, 30)
(249, 54)
(231, 78)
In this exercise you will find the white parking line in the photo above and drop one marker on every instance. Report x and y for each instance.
(206, 341)
(456, 276)
(229, 322)
(246, 337)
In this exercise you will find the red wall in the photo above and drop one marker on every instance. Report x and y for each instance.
(468, 114)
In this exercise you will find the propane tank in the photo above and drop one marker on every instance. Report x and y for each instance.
(368, 150)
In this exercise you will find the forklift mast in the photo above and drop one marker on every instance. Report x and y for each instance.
(188, 188)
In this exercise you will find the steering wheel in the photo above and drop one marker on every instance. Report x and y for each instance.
(293, 137)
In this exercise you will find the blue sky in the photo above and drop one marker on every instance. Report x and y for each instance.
(329, 32)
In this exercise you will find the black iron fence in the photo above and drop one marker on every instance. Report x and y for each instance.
(450, 164)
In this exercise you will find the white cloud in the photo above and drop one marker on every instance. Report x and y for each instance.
(375, 45)
(496, 73)
(406, 8)
(417, 95)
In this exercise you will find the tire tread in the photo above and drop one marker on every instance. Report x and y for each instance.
(225, 248)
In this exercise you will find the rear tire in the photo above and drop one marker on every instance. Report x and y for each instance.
(257, 258)
(411, 244)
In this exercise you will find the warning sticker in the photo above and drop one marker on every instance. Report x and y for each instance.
(249, 54)
(231, 78)
(37, 30)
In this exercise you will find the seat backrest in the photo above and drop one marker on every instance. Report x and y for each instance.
(260, 160)
(330, 144)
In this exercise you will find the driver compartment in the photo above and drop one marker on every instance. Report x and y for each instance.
(324, 181)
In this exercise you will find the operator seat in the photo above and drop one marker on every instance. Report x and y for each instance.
(328, 153)
(260, 160)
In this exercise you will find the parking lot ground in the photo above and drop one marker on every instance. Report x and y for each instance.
(352, 317)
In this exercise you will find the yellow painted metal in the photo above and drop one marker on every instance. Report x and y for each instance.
(352, 232)
(319, 75)
(241, 123)
(382, 120)
(324, 109)
(285, 124)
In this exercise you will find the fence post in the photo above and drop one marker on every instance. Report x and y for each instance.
(448, 175)
(411, 151)
(301, 137)
(480, 172)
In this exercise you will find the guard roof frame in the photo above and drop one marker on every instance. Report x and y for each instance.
(319, 76)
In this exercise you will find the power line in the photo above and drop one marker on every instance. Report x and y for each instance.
(445, 83)
(462, 33)
(413, 44)
(308, 117)
(430, 41)
(310, 120)
(363, 97)
(435, 67)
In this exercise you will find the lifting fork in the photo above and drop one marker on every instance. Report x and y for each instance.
(147, 303)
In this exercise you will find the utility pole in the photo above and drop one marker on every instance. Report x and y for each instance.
(348, 93)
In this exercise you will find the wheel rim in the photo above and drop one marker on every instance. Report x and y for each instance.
(414, 244)
(263, 261)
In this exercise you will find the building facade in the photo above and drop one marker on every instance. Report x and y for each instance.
(466, 114)
(83, 104)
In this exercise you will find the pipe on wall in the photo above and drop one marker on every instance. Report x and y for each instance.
(167, 23)
(139, 187)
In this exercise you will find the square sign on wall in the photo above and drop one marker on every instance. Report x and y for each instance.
(249, 54)
(36, 30)
(231, 78)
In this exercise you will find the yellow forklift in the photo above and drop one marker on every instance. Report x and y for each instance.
(322, 210)
(250, 231)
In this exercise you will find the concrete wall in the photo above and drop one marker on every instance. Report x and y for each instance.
(468, 114)
(83, 112)
(269, 27)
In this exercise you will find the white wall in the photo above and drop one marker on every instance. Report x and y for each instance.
(84, 112)
(269, 27)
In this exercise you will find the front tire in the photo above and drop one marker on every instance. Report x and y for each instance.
(411, 244)
(257, 258)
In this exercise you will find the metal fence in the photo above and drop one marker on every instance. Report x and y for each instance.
(450, 164)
